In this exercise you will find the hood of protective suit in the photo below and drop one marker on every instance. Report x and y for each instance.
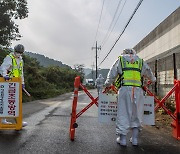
(129, 51)
(130, 57)
(100, 76)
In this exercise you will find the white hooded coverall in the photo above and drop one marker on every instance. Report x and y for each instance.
(99, 83)
(7, 66)
(130, 99)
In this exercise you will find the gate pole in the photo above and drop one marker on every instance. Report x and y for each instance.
(176, 123)
(73, 123)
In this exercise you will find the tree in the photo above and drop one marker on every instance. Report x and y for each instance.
(11, 10)
(79, 68)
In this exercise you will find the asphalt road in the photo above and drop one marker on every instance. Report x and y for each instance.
(48, 132)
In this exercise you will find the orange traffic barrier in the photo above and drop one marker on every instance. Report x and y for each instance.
(176, 115)
(159, 104)
(73, 123)
(74, 115)
(176, 123)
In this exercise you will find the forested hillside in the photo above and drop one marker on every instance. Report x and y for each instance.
(46, 61)
(45, 82)
(3, 53)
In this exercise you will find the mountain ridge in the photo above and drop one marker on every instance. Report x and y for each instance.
(46, 61)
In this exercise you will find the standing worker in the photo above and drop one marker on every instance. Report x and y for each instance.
(130, 69)
(99, 83)
(12, 66)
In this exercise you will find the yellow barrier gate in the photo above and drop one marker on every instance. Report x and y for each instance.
(11, 103)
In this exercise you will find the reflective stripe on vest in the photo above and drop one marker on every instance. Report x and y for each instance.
(131, 72)
(16, 71)
(117, 82)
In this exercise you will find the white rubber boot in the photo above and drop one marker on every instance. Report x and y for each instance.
(118, 140)
(24, 124)
(121, 140)
(135, 133)
(130, 140)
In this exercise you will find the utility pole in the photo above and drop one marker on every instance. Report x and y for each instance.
(97, 48)
(92, 71)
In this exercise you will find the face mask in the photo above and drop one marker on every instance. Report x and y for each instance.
(18, 54)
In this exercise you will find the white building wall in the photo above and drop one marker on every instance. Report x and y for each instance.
(159, 45)
(164, 43)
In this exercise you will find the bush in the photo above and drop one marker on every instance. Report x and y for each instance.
(45, 82)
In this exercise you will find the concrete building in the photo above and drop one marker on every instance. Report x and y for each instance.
(161, 49)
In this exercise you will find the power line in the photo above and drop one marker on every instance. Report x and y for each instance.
(114, 24)
(99, 22)
(122, 31)
(112, 21)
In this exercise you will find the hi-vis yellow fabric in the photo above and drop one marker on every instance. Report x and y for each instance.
(131, 73)
(16, 71)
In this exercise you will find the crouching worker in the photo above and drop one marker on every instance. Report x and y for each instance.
(12, 66)
(131, 69)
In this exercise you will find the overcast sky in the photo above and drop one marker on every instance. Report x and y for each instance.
(65, 30)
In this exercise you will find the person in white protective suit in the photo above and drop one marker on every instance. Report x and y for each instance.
(12, 66)
(130, 68)
(99, 83)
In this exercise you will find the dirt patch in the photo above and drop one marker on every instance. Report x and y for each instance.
(163, 122)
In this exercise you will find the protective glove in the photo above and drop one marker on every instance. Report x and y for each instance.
(6, 78)
(107, 88)
(107, 84)
(23, 86)
(149, 82)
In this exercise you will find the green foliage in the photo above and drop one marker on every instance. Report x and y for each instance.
(9, 11)
(79, 68)
(45, 82)
(3, 53)
(56, 75)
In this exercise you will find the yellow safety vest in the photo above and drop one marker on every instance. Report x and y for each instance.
(131, 73)
(16, 71)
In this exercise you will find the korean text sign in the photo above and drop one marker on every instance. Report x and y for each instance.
(9, 99)
(107, 109)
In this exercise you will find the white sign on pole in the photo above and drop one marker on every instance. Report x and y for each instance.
(107, 109)
(149, 118)
(9, 99)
